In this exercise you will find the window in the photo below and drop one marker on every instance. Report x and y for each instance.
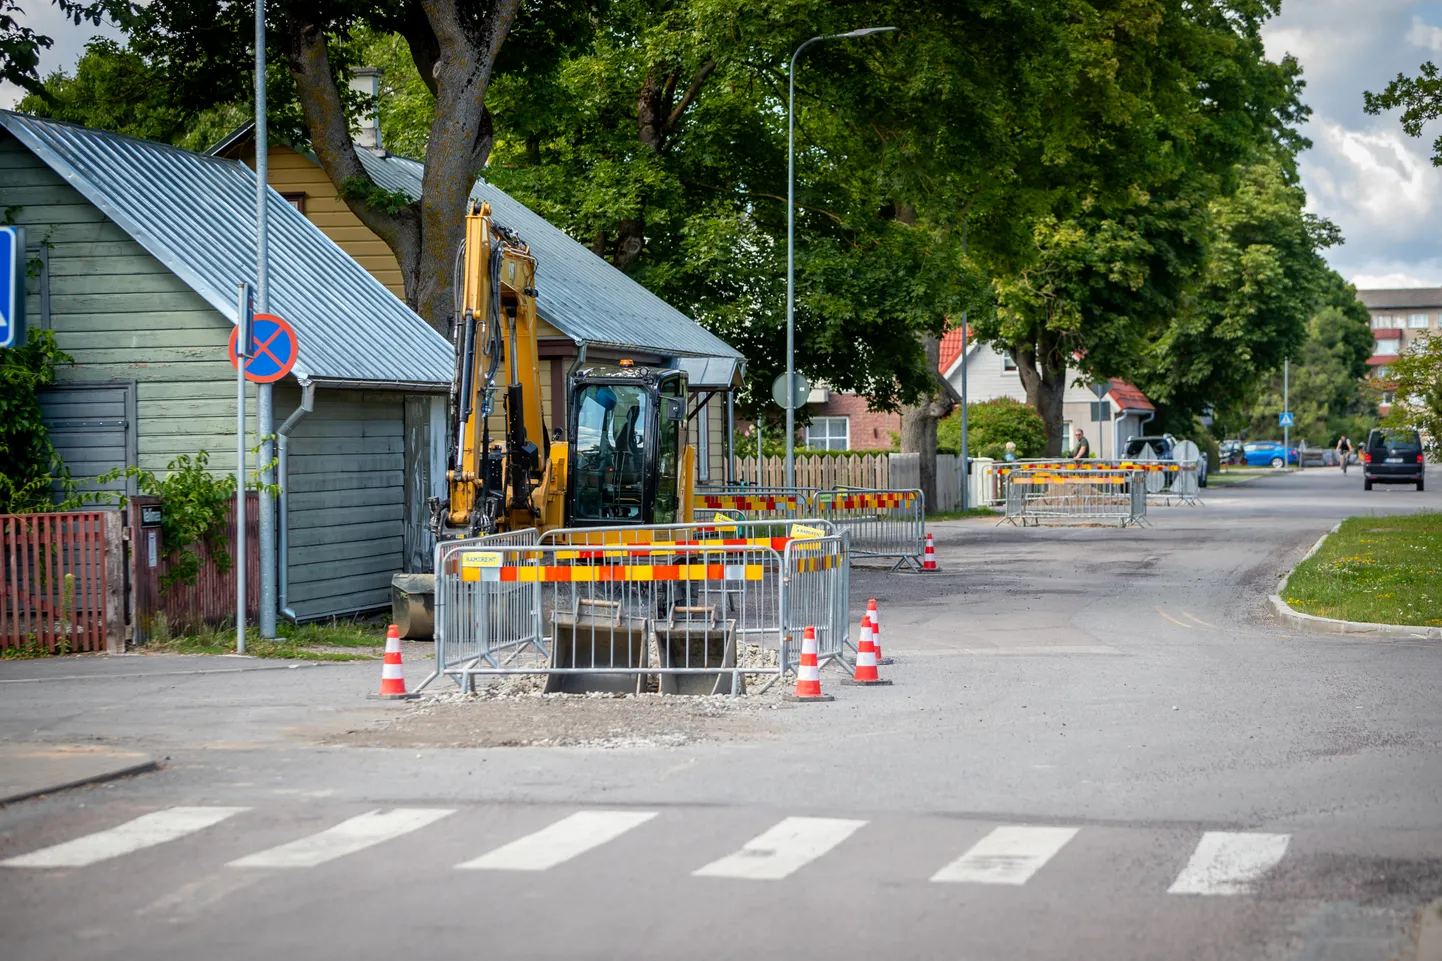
(1007, 362)
(296, 200)
(609, 453)
(1388, 398)
(829, 433)
(1385, 347)
(1066, 437)
(1417, 321)
(1381, 322)
(1380, 373)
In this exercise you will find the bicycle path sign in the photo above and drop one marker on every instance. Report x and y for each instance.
(273, 349)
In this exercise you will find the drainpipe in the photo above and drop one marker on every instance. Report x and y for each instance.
(307, 404)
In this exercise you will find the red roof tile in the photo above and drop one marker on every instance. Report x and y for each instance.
(950, 349)
(1128, 397)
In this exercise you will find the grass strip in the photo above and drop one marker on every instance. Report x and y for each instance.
(326, 641)
(1382, 570)
(961, 515)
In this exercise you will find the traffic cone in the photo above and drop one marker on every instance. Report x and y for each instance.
(866, 675)
(393, 676)
(930, 563)
(808, 672)
(875, 616)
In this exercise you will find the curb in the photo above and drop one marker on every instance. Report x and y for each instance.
(144, 767)
(1329, 625)
(1429, 932)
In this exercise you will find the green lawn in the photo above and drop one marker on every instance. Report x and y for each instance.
(335, 641)
(1385, 570)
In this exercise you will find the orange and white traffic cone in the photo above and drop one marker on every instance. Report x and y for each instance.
(929, 564)
(875, 617)
(866, 674)
(808, 672)
(393, 676)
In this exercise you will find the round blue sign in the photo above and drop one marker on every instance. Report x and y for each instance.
(273, 350)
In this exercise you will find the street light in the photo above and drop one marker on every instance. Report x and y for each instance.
(791, 244)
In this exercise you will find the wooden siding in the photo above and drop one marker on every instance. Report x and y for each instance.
(346, 501)
(124, 316)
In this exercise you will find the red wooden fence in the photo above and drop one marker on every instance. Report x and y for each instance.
(210, 601)
(54, 581)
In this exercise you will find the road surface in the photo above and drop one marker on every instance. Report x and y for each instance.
(1098, 745)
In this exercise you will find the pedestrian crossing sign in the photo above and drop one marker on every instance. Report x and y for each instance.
(1284, 419)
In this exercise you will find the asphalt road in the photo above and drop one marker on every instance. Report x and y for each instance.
(1098, 745)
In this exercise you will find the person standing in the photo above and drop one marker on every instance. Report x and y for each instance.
(1344, 451)
(1081, 447)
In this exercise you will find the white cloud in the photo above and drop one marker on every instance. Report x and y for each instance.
(45, 18)
(1392, 281)
(1425, 35)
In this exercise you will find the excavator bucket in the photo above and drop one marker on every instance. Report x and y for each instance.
(599, 638)
(693, 637)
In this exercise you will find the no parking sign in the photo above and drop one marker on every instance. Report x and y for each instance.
(273, 349)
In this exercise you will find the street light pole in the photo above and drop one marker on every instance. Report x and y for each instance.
(791, 243)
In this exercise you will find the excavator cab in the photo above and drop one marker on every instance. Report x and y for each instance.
(627, 430)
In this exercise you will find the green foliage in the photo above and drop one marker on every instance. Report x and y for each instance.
(1417, 378)
(29, 463)
(372, 195)
(990, 424)
(20, 45)
(1420, 98)
(195, 504)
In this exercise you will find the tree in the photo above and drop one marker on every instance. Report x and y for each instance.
(1420, 99)
(203, 49)
(1417, 380)
(991, 424)
(20, 46)
(1161, 104)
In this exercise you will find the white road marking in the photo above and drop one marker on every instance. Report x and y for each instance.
(347, 837)
(1008, 855)
(145, 831)
(560, 842)
(785, 848)
(1228, 863)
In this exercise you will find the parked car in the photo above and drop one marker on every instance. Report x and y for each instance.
(1164, 446)
(1268, 453)
(1231, 452)
(1392, 455)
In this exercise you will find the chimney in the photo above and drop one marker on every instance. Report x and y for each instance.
(366, 81)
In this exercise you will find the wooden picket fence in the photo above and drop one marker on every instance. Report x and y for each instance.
(875, 471)
(62, 581)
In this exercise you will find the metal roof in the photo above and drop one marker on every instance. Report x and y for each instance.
(711, 373)
(1401, 298)
(196, 215)
(580, 294)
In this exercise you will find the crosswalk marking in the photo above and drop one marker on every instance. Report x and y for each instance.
(1229, 863)
(145, 831)
(567, 838)
(347, 837)
(783, 849)
(1008, 855)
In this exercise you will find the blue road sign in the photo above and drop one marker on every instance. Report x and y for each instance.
(272, 351)
(12, 286)
(1284, 419)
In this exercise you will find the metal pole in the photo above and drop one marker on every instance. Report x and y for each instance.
(791, 243)
(965, 451)
(241, 350)
(1286, 406)
(730, 438)
(264, 414)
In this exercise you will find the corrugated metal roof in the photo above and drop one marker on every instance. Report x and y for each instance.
(580, 294)
(711, 373)
(196, 215)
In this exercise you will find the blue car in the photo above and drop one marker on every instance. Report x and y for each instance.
(1268, 453)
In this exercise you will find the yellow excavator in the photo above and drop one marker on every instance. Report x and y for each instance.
(621, 459)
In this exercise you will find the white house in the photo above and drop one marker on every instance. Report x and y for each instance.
(1123, 412)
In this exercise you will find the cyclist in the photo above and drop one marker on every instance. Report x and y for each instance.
(1344, 451)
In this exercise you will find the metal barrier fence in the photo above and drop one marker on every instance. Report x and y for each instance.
(1166, 480)
(752, 504)
(1034, 497)
(881, 523)
(601, 610)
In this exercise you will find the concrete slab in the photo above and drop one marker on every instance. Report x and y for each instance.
(29, 770)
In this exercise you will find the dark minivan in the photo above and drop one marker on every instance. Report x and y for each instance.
(1392, 456)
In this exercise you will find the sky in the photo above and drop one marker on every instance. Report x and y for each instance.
(1362, 173)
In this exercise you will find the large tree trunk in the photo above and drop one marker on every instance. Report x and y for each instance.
(454, 44)
(1042, 366)
(918, 424)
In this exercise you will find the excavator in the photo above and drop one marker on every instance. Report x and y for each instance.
(621, 459)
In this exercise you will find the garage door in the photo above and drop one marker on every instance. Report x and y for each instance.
(93, 428)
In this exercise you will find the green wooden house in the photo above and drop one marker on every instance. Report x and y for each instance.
(138, 249)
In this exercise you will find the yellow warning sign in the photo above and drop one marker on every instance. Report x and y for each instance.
(480, 559)
(725, 519)
(801, 530)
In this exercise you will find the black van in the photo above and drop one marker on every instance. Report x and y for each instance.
(1392, 456)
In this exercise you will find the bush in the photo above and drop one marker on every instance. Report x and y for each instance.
(990, 424)
(30, 465)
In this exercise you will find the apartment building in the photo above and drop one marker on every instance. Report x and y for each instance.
(1398, 317)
